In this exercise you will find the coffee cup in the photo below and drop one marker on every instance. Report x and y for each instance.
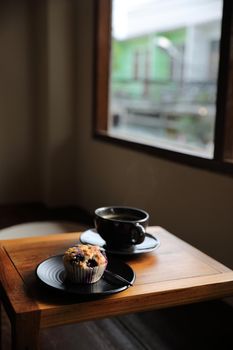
(120, 226)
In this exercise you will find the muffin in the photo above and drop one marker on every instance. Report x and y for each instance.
(84, 263)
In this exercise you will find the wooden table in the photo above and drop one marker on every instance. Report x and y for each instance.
(174, 274)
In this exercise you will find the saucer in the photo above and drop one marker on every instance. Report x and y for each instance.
(51, 272)
(92, 237)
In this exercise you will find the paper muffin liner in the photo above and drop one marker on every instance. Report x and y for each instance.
(77, 274)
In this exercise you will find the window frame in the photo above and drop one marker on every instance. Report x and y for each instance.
(223, 138)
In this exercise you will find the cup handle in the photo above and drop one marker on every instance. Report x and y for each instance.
(138, 234)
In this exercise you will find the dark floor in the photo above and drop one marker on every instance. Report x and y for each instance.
(199, 326)
(207, 325)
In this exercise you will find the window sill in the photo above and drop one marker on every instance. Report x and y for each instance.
(190, 159)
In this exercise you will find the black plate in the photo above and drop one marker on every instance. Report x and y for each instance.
(51, 272)
(92, 237)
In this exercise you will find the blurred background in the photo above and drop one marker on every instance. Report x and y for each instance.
(47, 152)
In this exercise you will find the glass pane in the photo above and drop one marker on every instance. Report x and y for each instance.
(164, 69)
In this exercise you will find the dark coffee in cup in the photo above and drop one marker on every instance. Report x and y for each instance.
(121, 227)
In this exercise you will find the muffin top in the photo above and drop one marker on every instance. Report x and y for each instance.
(85, 256)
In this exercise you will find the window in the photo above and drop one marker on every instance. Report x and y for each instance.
(162, 77)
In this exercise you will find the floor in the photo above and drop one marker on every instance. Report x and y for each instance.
(206, 325)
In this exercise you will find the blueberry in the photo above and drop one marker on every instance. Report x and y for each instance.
(78, 257)
(92, 263)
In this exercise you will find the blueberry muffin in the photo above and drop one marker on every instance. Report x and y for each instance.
(84, 263)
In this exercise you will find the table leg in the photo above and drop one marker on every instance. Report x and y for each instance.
(25, 332)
